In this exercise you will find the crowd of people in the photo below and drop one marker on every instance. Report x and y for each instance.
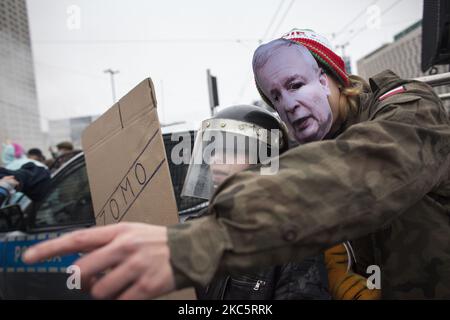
(29, 171)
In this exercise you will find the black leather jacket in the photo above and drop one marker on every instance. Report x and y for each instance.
(34, 181)
(292, 281)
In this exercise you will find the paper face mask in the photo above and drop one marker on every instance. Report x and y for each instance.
(292, 80)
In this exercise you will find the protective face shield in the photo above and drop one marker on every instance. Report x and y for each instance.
(224, 147)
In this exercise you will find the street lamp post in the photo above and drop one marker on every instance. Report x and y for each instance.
(113, 88)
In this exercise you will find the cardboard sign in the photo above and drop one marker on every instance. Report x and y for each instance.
(126, 162)
(127, 167)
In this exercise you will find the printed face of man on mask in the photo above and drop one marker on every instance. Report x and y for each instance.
(289, 76)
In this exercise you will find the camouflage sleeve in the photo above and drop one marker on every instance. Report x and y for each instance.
(324, 193)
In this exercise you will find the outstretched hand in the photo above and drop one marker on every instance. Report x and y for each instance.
(123, 261)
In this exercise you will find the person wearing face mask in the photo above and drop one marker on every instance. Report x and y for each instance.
(244, 134)
(373, 167)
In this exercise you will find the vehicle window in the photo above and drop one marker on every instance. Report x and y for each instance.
(68, 203)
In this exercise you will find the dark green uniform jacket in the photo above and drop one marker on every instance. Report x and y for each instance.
(383, 177)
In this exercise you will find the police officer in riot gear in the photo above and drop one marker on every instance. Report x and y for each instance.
(233, 140)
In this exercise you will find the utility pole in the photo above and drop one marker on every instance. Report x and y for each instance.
(162, 106)
(342, 47)
(113, 88)
(212, 91)
(347, 61)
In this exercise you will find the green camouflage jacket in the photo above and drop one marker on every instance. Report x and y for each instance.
(384, 179)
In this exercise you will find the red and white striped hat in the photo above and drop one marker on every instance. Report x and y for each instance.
(321, 50)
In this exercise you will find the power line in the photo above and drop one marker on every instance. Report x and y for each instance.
(382, 13)
(284, 17)
(247, 81)
(355, 18)
(140, 41)
(273, 20)
(391, 7)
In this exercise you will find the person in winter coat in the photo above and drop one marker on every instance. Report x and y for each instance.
(374, 165)
(237, 128)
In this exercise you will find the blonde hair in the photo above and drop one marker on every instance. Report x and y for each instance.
(349, 98)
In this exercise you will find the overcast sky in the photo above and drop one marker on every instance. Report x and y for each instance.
(175, 41)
